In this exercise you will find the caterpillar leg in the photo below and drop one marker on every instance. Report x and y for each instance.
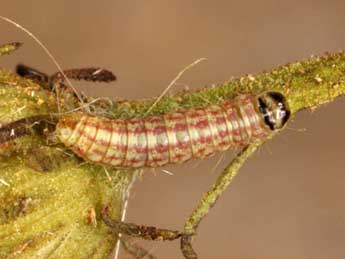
(8, 48)
(211, 197)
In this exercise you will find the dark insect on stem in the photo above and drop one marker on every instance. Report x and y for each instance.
(30, 125)
(56, 82)
(87, 74)
(32, 74)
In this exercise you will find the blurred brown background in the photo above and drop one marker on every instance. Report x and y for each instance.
(288, 201)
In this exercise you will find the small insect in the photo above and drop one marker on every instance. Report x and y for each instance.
(174, 137)
(56, 82)
(39, 123)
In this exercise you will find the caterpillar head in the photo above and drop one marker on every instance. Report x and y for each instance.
(274, 108)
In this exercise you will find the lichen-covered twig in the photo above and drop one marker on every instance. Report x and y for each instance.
(7, 48)
(306, 84)
(210, 198)
(145, 232)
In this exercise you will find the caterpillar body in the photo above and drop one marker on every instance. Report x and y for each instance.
(174, 137)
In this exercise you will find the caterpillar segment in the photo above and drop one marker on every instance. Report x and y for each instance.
(174, 137)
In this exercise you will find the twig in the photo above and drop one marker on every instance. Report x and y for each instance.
(46, 50)
(211, 197)
(145, 232)
(8, 48)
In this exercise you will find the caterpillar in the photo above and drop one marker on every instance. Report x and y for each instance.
(174, 137)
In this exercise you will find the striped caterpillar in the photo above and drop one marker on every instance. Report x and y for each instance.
(158, 140)
(174, 137)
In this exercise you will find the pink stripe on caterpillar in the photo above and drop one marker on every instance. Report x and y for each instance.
(174, 137)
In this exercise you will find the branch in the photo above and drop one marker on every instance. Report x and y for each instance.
(306, 84)
(58, 213)
(210, 198)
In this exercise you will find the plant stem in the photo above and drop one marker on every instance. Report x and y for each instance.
(210, 198)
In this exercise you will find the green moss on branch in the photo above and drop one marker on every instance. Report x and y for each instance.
(50, 202)
(306, 84)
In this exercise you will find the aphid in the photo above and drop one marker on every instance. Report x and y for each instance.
(174, 137)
